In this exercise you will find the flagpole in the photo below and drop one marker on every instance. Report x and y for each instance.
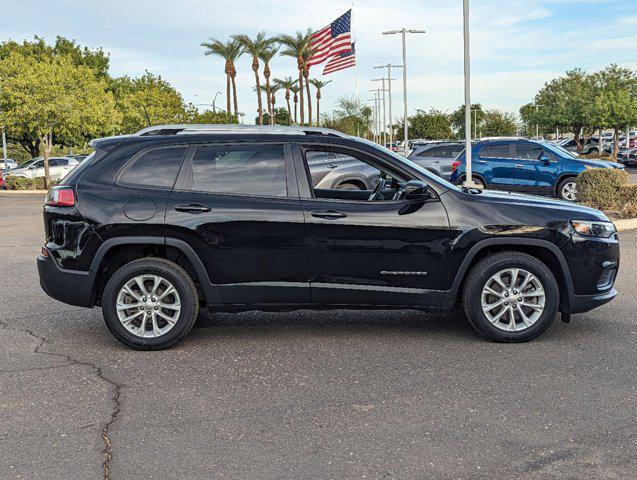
(353, 41)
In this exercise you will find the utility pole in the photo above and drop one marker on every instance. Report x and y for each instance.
(373, 115)
(468, 182)
(377, 107)
(4, 148)
(389, 80)
(384, 114)
(537, 125)
(403, 31)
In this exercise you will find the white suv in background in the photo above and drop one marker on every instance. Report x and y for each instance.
(58, 168)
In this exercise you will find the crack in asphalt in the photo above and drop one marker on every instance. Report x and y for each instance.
(107, 451)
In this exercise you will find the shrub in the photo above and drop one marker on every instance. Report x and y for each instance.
(21, 183)
(607, 189)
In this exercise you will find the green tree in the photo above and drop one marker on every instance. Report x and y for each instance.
(39, 50)
(457, 120)
(148, 100)
(616, 101)
(568, 103)
(281, 117)
(266, 56)
(208, 116)
(351, 117)
(230, 52)
(319, 85)
(255, 48)
(298, 46)
(287, 83)
(53, 98)
(497, 123)
(434, 125)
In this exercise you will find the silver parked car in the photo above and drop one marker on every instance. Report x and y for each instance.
(333, 171)
(437, 157)
(58, 168)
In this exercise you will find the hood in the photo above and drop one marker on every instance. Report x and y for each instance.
(509, 198)
(599, 163)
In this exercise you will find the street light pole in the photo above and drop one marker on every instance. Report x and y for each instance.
(4, 148)
(384, 114)
(214, 110)
(373, 116)
(468, 183)
(537, 125)
(403, 31)
(389, 80)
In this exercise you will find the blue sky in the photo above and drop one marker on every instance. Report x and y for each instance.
(516, 44)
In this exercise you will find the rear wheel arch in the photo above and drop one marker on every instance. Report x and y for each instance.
(116, 252)
(462, 178)
(560, 179)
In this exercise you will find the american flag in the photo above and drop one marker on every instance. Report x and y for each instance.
(339, 62)
(332, 40)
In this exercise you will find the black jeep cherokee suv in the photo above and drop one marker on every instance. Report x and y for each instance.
(154, 226)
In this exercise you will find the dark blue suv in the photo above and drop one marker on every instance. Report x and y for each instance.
(526, 166)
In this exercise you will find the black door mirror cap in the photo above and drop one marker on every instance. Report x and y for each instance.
(417, 191)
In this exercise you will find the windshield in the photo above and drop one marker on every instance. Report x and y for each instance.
(413, 165)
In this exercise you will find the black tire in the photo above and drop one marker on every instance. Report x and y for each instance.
(489, 266)
(561, 189)
(181, 281)
(348, 186)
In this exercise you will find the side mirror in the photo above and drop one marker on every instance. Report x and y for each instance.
(544, 158)
(417, 191)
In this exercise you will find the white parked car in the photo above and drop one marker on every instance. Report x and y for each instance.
(58, 168)
(10, 163)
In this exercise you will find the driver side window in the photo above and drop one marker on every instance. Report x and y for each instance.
(348, 175)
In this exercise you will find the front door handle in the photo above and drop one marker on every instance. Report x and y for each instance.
(481, 161)
(192, 208)
(329, 214)
(519, 165)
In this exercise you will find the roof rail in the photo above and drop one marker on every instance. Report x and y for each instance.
(237, 129)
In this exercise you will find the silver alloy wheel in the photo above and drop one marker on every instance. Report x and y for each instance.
(148, 306)
(569, 191)
(513, 299)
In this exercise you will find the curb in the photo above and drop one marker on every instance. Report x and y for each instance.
(625, 224)
(43, 192)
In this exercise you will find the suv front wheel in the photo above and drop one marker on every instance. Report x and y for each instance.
(150, 304)
(510, 297)
(567, 189)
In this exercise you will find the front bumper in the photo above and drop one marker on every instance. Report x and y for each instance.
(69, 286)
(585, 303)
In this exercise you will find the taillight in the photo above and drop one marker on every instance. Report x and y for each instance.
(455, 165)
(60, 197)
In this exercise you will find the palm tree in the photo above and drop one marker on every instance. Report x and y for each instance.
(286, 83)
(295, 90)
(266, 55)
(229, 51)
(273, 89)
(307, 53)
(297, 46)
(318, 84)
(255, 47)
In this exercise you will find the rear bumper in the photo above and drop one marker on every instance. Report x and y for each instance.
(69, 286)
(585, 303)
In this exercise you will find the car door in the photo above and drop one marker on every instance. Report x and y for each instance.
(238, 208)
(36, 170)
(497, 164)
(370, 252)
(536, 174)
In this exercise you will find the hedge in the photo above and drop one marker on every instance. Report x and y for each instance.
(607, 189)
(21, 183)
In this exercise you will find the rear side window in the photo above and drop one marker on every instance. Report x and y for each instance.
(245, 170)
(157, 168)
(495, 151)
(529, 152)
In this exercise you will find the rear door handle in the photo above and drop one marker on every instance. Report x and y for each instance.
(192, 208)
(482, 161)
(329, 214)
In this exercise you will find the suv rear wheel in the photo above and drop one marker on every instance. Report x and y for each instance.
(510, 297)
(150, 304)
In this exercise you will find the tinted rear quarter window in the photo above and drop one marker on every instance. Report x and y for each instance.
(495, 151)
(157, 168)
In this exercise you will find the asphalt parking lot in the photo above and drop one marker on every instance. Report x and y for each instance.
(339, 395)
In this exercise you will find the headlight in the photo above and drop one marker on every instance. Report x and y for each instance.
(593, 229)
